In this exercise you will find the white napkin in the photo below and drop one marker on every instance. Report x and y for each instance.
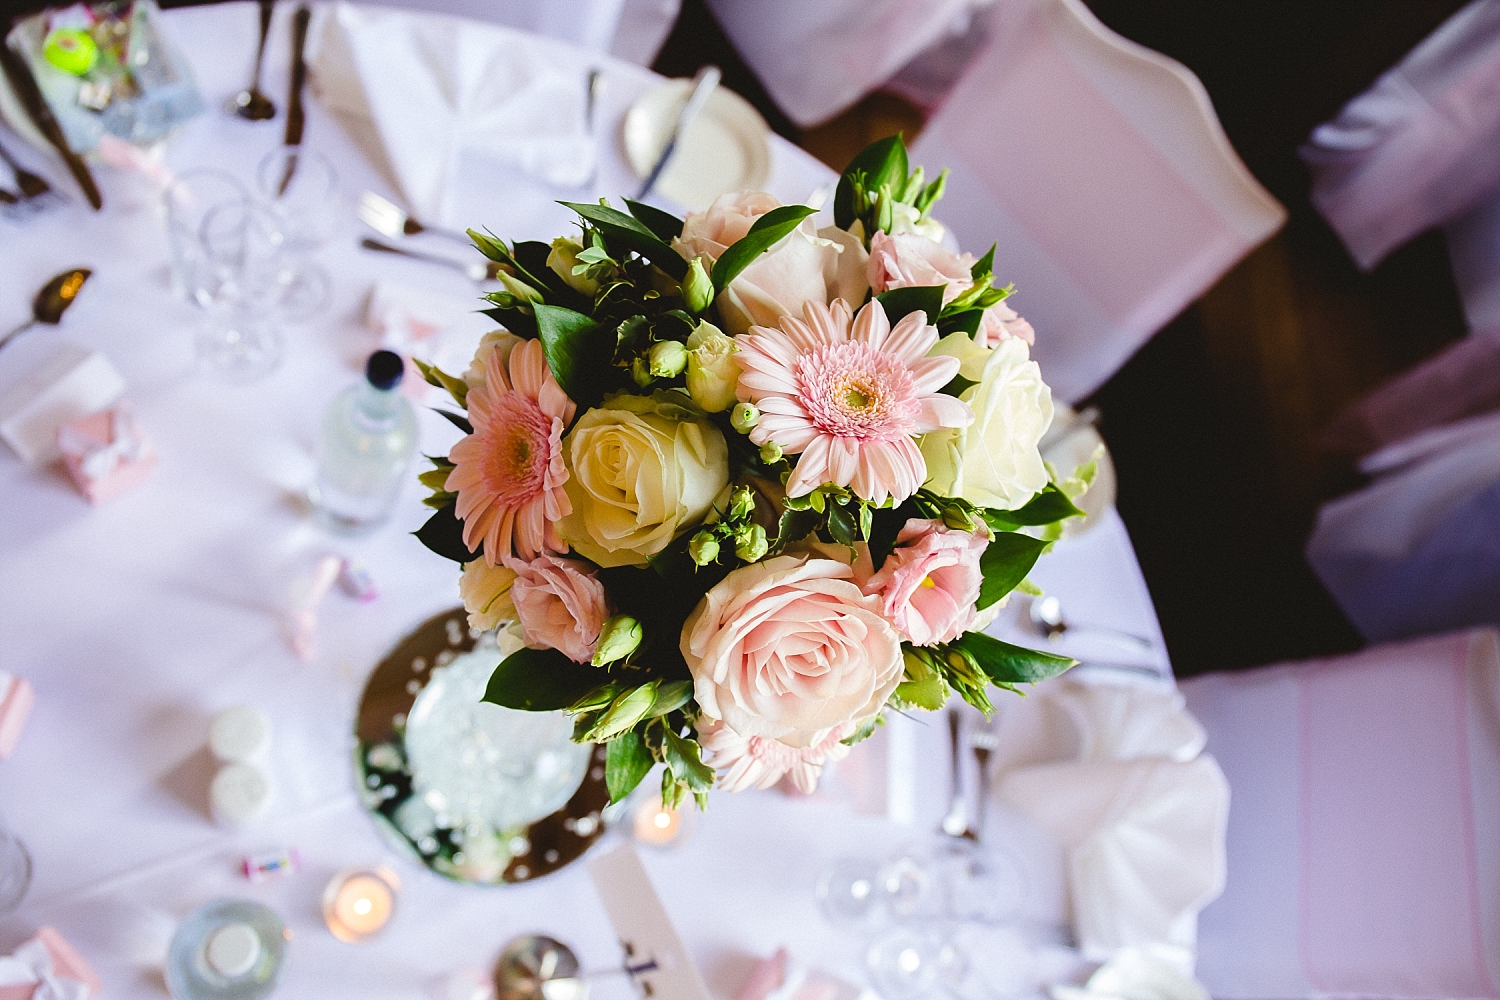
(1145, 845)
(428, 89)
(1135, 974)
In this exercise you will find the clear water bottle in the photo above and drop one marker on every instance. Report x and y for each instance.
(230, 949)
(369, 436)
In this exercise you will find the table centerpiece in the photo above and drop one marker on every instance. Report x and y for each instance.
(741, 485)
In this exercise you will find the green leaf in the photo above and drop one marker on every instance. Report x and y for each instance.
(632, 234)
(841, 524)
(1006, 664)
(540, 680)
(899, 302)
(795, 525)
(626, 762)
(684, 759)
(966, 320)
(866, 730)
(444, 534)
(984, 266)
(1005, 563)
(930, 692)
(882, 162)
(456, 419)
(665, 225)
(768, 230)
(1052, 504)
(575, 347)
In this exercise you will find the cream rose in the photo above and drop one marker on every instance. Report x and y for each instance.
(641, 469)
(725, 222)
(502, 341)
(485, 590)
(995, 461)
(789, 649)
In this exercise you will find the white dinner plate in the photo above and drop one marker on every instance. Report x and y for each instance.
(725, 149)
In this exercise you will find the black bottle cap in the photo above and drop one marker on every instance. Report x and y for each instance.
(384, 369)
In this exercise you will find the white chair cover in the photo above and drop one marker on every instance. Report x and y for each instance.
(1364, 829)
(1420, 147)
(1101, 169)
(817, 57)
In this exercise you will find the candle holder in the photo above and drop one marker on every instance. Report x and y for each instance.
(359, 903)
(653, 824)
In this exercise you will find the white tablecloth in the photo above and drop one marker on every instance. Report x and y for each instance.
(137, 621)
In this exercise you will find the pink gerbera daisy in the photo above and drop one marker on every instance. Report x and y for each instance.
(849, 398)
(509, 473)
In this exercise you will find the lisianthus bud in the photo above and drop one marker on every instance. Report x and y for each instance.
(628, 709)
(668, 359)
(744, 417)
(770, 453)
(640, 371)
(562, 260)
(697, 287)
(750, 543)
(618, 638)
(711, 371)
(518, 288)
(703, 548)
(741, 504)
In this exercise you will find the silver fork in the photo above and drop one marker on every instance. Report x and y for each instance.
(983, 741)
(391, 220)
(476, 272)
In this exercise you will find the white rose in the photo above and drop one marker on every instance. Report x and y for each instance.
(485, 590)
(642, 469)
(496, 340)
(712, 374)
(995, 461)
(972, 355)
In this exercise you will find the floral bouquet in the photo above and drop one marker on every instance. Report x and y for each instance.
(741, 485)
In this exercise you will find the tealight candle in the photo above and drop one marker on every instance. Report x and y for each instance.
(359, 902)
(655, 824)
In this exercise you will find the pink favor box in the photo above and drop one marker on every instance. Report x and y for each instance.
(66, 964)
(16, 699)
(85, 441)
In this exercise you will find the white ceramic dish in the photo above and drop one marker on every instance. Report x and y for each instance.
(725, 149)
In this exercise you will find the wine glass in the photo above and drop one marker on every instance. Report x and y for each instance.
(301, 189)
(907, 963)
(850, 894)
(186, 202)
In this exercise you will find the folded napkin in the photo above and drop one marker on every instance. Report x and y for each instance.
(46, 967)
(1144, 840)
(1135, 974)
(420, 91)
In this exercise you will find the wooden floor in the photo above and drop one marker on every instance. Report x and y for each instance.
(1214, 424)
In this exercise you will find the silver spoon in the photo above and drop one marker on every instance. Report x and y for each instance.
(251, 103)
(476, 272)
(1046, 615)
(956, 822)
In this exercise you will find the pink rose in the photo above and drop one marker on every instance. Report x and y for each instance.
(560, 604)
(788, 649)
(712, 231)
(1001, 322)
(928, 584)
(908, 260)
(808, 265)
(757, 762)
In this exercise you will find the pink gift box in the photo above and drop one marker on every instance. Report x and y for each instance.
(106, 453)
(16, 699)
(65, 961)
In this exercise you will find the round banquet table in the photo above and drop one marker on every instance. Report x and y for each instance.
(139, 620)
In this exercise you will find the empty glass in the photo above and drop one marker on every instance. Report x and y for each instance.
(187, 201)
(240, 343)
(907, 963)
(15, 870)
(301, 189)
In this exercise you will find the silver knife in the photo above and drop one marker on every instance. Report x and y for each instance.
(703, 86)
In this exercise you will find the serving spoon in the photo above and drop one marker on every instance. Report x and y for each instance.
(251, 103)
(52, 301)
